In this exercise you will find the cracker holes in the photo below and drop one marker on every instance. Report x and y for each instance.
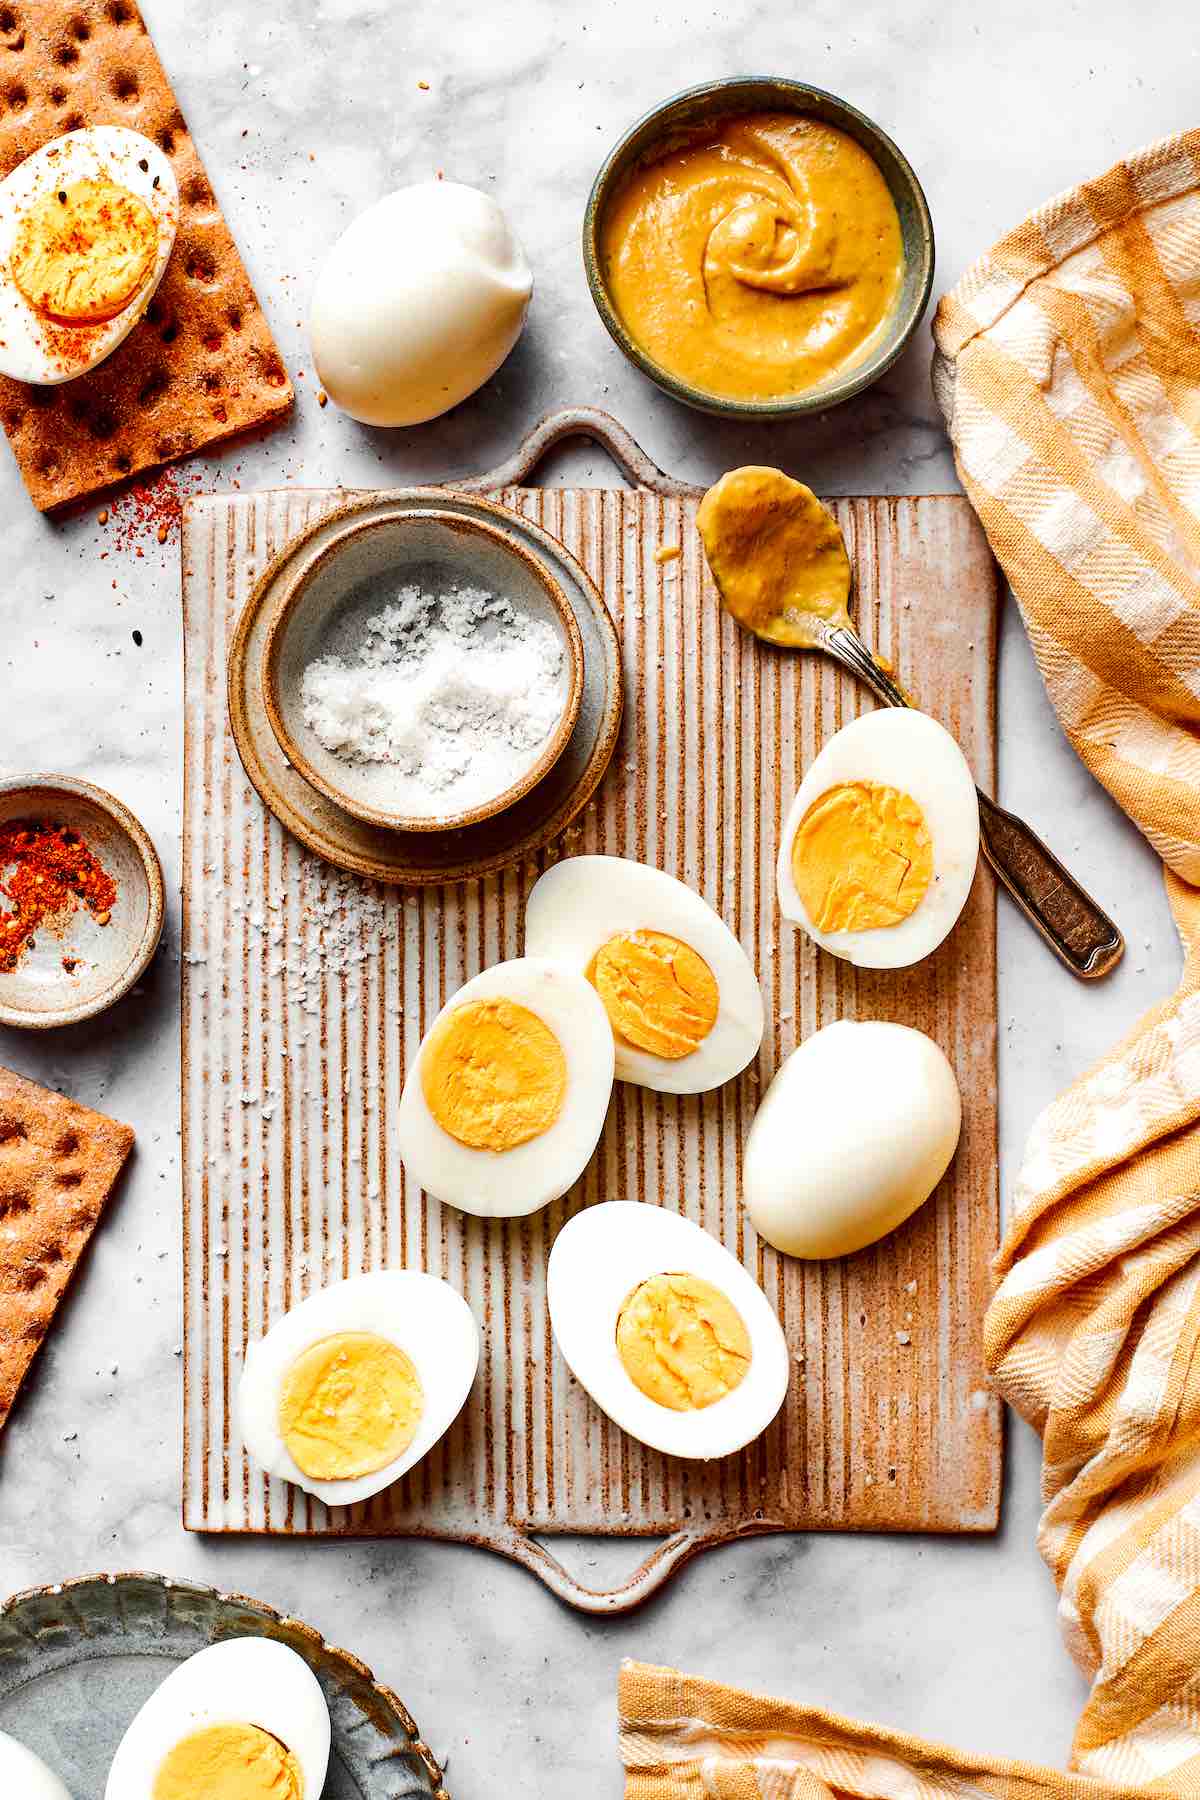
(122, 464)
(201, 268)
(8, 20)
(102, 424)
(212, 341)
(14, 418)
(69, 1178)
(11, 1129)
(124, 87)
(170, 331)
(212, 381)
(165, 139)
(234, 317)
(154, 387)
(67, 55)
(52, 1254)
(79, 28)
(17, 96)
(58, 95)
(67, 1144)
(12, 1205)
(35, 1331)
(197, 193)
(30, 1277)
(49, 464)
(85, 1216)
(74, 122)
(41, 397)
(119, 12)
(270, 369)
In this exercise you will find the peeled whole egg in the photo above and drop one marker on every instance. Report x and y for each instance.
(669, 1334)
(365, 1376)
(852, 1136)
(507, 1095)
(245, 1702)
(118, 194)
(418, 304)
(24, 1775)
(880, 845)
(679, 990)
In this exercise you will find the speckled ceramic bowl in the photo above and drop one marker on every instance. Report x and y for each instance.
(76, 967)
(78, 1659)
(322, 611)
(689, 118)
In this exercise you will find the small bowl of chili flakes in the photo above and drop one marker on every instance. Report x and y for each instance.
(81, 900)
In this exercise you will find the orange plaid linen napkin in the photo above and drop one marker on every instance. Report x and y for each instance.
(1068, 368)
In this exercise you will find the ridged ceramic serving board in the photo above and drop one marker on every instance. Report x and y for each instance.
(306, 989)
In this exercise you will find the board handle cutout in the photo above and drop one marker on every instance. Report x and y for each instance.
(650, 1577)
(590, 422)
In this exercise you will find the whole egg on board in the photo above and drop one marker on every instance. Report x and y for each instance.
(418, 303)
(506, 1097)
(25, 1776)
(358, 1382)
(87, 225)
(879, 848)
(679, 990)
(669, 1334)
(853, 1134)
(243, 1716)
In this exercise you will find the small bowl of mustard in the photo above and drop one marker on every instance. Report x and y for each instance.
(759, 248)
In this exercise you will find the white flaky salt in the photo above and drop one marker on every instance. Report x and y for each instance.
(457, 693)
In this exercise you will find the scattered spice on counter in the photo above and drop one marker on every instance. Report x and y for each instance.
(46, 873)
(152, 508)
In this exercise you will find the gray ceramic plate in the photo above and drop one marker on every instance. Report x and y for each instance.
(78, 1660)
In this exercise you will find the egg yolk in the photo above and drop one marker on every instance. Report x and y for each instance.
(493, 1074)
(862, 857)
(658, 993)
(682, 1342)
(81, 253)
(349, 1405)
(229, 1762)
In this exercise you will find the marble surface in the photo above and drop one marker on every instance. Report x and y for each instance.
(304, 114)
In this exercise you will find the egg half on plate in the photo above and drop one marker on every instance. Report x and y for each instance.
(679, 991)
(507, 1094)
(665, 1329)
(87, 224)
(880, 845)
(25, 1776)
(356, 1384)
(246, 1716)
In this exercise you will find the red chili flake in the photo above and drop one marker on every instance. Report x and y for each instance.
(46, 873)
(150, 510)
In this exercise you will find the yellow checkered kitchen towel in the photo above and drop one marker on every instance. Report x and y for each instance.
(1068, 368)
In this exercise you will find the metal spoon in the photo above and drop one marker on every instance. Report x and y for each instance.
(1078, 931)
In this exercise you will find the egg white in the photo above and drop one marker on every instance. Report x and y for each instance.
(421, 1314)
(826, 1169)
(241, 1681)
(24, 1775)
(908, 750)
(36, 350)
(512, 1183)
(599, 1257)
(579, 904)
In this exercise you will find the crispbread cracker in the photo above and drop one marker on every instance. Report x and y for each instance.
(58, 1164)
(202, 364)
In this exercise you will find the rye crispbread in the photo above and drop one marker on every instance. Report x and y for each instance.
(59, 1162)
(202, 365)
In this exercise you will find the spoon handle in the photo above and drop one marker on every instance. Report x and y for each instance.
(1078, 931)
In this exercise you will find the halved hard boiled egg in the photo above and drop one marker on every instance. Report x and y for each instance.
(665, 1329)
(825, 1170)
(356, 1384)
(880, 845)
(24, 1775)
(243, 1717)
(87, 224)
(679, 991)
(506, 1097)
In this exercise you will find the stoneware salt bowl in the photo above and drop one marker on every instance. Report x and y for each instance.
(690, 117)
(322, 611)
(77, 967)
